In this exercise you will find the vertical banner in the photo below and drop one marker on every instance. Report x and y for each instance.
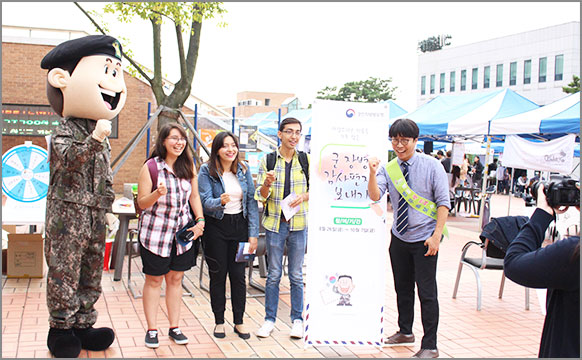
(347, 235)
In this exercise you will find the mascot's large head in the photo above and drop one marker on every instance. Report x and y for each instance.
(85, 78)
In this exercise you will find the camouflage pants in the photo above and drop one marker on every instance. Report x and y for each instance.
(74, 249)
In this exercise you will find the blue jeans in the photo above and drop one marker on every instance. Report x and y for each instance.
(295, 253)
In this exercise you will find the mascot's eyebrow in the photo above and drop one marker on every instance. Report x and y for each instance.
(118, 63)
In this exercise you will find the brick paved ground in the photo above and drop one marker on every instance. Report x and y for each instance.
(503, 328)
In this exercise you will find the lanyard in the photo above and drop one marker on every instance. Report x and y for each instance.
(415, 201)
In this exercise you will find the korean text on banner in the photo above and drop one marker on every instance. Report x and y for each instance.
(346, 262)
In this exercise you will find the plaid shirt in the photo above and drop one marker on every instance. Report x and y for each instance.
(159, 223)
(273, 200)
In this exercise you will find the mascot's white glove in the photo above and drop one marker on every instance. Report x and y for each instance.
(102, 130)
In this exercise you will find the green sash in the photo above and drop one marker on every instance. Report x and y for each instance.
(415, 201)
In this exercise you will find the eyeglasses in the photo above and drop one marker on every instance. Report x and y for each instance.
(290, 132)
(176, 139)
(404, 141)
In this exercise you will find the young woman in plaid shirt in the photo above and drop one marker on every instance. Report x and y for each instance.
(166, 210)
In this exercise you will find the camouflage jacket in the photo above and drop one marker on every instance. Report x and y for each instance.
(80, 170)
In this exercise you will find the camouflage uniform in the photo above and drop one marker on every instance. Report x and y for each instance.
(79, 195)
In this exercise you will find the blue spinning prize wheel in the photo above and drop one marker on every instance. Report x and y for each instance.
(25, 173)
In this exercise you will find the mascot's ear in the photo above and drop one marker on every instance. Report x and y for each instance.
(58, 78)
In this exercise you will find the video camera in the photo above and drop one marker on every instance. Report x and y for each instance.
(559, 191)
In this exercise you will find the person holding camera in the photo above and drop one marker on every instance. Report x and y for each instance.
(555, 267)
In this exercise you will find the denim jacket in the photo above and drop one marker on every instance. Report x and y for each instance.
(210, 189)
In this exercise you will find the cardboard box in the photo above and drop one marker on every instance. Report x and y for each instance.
(25, 256)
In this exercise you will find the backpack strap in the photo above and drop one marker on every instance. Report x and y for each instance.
(153, 168)
(271, 160)
(304, 161)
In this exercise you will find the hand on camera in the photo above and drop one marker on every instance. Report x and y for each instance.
(542, 203)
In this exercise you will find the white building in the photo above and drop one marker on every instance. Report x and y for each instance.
(535, 64)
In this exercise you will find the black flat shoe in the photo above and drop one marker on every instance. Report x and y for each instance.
(242, 335)
(219, 335)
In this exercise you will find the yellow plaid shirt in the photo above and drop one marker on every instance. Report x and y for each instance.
(273, 200)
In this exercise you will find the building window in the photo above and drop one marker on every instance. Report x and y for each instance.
(267, 102)
(543, 68)
(512, 73)
(452, 80)
(463, 80)
(432, 79)
(559, 68)
(527, 72)
(423, 85)
(474, 78)
(486, 77)
(499, 75)
(442, 87)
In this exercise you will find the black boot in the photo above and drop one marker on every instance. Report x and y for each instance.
(95, 339)
(62, 343)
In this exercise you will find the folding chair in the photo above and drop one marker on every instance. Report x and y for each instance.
(491, 256)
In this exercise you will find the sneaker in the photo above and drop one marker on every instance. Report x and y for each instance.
(400, 339)
(297, 329)
(151, 339)
(176, 335)
(266, 329)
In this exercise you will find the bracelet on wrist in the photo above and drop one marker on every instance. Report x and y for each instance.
(200, 220)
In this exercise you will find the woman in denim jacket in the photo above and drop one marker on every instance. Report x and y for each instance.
(227, 193)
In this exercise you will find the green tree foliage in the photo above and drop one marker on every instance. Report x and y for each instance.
(434, 43)
(572, 87)
(368, 91)
(186, 18)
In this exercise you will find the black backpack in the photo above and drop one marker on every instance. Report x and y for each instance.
(303, 161)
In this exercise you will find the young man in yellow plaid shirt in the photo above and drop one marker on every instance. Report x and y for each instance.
(273, 186)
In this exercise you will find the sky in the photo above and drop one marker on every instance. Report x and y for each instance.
(303, 47)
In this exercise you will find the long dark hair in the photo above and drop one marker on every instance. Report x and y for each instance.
(184, 165)
(214, 165)
(456, 174)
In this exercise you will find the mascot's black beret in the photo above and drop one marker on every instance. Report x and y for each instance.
(74, 50)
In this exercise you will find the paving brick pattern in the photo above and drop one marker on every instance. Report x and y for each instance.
(503, 328)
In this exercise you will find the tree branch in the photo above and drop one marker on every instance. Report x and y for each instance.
(133, 63)
(184, 86)
(181, 56)
(157, 86)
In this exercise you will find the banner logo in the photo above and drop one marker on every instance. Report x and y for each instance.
(350, 113)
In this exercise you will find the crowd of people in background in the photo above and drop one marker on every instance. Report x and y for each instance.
(471, 174)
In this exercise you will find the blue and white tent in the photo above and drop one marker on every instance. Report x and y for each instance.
(467, 115)
(560, 117)
(265, 122)
(395, 110)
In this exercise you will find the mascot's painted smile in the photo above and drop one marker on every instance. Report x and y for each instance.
(111, 98)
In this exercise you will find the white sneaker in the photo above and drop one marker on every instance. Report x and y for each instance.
(297, 329)
(266, 329)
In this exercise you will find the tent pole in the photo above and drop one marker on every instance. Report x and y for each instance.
(484, 183)
(510, 188)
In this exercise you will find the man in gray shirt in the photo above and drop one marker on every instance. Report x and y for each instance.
(415, 236)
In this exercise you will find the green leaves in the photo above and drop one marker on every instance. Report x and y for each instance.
(180, 13)
(572, 87)
(369, 91)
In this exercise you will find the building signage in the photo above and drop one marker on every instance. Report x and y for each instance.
(35, 120)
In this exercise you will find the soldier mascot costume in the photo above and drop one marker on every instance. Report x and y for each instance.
(85, 86)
